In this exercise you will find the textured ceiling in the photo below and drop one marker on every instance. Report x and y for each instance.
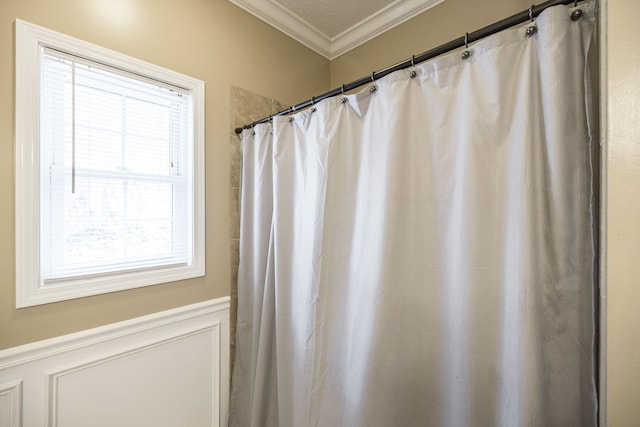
(334, 17)
(333, 27)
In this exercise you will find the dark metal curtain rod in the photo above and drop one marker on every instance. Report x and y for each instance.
(496, 27)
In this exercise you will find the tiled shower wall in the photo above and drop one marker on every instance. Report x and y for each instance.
(245, 107)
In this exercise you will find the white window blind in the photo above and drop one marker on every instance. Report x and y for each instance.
(116, 170)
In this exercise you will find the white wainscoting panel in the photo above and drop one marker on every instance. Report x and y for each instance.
(166, 369)
(10, 404)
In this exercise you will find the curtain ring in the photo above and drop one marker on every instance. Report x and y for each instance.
(413, 60)
(466, 40)
(342, 88)
(344, 97)
(373, 78)
(313, 100)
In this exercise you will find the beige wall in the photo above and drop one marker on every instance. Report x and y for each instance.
(444, 22)
(622, 209)
(211, 40)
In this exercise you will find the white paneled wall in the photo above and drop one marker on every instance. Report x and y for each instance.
(165, 369)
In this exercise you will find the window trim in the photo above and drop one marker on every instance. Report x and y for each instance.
(29, 40)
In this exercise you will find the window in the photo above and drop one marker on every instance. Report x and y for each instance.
(109, 170)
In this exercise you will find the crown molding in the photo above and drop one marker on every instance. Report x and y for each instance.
(297, 28)
(391, 16)
(289, 23)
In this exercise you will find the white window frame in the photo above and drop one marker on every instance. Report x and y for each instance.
(30, 39)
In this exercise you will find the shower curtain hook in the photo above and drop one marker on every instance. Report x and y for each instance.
(531, 12)
(313, 103)
(577, 13)
(344, 97)
(531, 30)
(413, 73)
(466, 53)
(374, 87)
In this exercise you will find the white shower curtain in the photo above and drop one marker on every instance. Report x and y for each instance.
(422, 254)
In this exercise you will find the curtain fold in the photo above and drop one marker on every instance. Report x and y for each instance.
(422, 254)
